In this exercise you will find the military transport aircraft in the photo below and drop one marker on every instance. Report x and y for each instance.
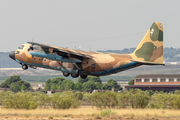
(77, 62)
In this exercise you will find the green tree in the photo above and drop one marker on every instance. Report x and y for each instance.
(80, 80)
(131, 82)
(15, 87)
(111, 83)
(58, 85)
(48, 81)
(54, 84)
(91, 83)
(53, 87)
(94, 79)
(11, 80)
(99, 85)
(26, 84)
(57, 80)
(67, 85)
(23, 87)
(89, 86)
(89, 78)
(15, 84)
(15, 78)
(78, 86)
(4, 85)
(47, 87)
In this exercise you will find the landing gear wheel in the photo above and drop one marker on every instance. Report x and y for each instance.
(74, 75)
(83, 76)
(65, 74)
(24, 67)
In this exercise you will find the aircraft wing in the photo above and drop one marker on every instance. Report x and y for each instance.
(65, 52)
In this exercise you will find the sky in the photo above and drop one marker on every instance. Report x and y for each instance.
(86, 24)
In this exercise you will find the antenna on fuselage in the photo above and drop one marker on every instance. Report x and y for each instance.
(129, 51)
(89, 48)
(67, 45)
(46, 42)
(79, 47)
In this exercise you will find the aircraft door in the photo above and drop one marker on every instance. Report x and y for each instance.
(29, 60)
(93, 67)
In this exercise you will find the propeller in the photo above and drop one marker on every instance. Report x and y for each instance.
(31, 47)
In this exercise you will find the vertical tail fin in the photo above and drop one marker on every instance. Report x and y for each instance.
(150, 48)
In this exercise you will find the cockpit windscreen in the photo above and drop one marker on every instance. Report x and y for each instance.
(21, 47)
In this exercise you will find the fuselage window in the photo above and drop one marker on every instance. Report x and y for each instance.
(21, 47)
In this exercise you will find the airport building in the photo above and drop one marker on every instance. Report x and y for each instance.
(157, 82)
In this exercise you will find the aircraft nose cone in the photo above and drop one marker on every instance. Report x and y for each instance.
(12, 55)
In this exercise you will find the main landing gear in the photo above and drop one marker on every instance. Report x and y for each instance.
(83, 76)
(66, 74)
(74, 75)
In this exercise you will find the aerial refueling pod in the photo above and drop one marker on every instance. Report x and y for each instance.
(53, 57)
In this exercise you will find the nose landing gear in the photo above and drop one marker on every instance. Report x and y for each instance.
(24, 67)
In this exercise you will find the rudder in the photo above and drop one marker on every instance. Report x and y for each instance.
(151, 46)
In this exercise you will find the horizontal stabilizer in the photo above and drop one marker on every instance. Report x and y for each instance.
(147, 62)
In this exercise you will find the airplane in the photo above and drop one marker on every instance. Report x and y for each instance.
(83, 63)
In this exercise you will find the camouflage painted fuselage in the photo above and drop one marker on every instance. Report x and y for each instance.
(148, 52)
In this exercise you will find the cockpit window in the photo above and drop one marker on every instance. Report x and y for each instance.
(17, 52)
(21, 47)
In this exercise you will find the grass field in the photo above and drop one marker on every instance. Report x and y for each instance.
(90, 113)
